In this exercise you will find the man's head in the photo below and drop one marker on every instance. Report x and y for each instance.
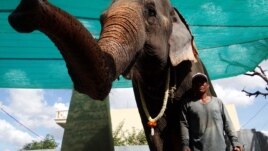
(200, 82)
(199, 77)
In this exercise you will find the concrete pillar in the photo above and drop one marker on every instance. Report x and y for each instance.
(88, 126)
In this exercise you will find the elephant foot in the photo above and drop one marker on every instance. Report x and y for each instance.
(23, 18)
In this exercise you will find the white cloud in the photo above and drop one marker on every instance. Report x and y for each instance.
(11, 135)
(29, 106)
(61, 106)
(27, 101)
(240, 82)
(122, 98)
(264, 64)
(230, 89)
(230, 95)
(265, 132)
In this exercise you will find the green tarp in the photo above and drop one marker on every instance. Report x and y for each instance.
(231, 36)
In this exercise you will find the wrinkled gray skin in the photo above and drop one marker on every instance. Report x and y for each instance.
(140, 39)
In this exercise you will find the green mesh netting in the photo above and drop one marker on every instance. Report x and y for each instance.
(232, 38)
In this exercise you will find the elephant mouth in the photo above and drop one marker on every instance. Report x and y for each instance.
(128, 73)
(148, 47)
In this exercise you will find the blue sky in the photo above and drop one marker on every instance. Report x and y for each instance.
(36, 108)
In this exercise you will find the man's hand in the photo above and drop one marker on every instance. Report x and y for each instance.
(186, 148)
(238, 148)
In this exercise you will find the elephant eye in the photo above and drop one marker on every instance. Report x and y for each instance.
(151, 11)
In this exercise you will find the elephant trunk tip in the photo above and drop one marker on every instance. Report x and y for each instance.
(19, 25)
(93, 92)
(22, 19)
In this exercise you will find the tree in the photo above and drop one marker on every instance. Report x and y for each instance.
(263, 75)
(124, 137)
(47, 143)
(117, 135)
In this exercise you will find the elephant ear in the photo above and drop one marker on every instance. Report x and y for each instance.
(181, 41)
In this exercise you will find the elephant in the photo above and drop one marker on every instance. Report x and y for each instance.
(146, 41)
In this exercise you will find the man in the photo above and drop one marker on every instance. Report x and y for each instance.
(204, 120)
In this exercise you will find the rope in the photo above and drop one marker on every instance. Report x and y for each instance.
(152, 122)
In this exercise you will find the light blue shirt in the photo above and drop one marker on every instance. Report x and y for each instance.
(203, 126)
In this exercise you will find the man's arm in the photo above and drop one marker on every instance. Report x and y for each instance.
(229, 130)
(184, 127)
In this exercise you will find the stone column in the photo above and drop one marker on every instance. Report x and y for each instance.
(88, 126)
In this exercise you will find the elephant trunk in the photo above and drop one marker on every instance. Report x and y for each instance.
(123, 34)
(92, 66)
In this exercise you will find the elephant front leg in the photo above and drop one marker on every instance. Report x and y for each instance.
(166, 135)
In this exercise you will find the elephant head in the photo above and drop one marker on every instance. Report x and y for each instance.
(140, 39)
(131, 29)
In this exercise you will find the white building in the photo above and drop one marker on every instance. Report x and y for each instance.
(131, 119)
